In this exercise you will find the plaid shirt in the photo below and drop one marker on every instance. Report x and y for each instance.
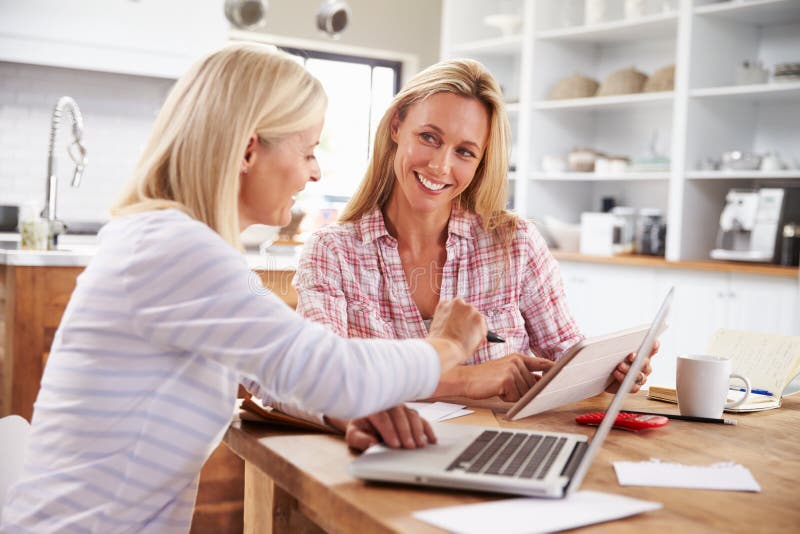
(351, 279)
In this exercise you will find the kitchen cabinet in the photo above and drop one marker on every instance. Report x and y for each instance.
(144, 37)
(765, 305)
(605, 298)
(699, 309)
(705, 113)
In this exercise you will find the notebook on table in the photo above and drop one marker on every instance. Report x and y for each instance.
(521, 462)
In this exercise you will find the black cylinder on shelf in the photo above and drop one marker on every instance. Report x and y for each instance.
(607, 204)
(790, 245)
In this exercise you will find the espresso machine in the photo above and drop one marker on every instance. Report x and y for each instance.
(751, 222)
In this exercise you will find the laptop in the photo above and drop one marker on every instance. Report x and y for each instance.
(519, 462)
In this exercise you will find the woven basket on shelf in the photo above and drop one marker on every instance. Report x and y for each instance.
(623, 82)
(575, 86)
(662, 80)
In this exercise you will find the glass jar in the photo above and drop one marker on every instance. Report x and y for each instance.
(625, 227)
(651, 232)
(33, 229)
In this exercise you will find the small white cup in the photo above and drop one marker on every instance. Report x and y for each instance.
(703, 384)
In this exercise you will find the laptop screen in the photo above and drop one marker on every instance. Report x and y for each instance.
(616, 403)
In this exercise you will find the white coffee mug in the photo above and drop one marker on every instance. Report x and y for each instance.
(703, 383)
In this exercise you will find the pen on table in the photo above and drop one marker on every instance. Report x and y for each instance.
(491, 337)
(688, 418)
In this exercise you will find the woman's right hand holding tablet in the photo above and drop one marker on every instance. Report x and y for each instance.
(456, 331)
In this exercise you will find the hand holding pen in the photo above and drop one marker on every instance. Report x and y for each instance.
(491, 337)
(456, 331)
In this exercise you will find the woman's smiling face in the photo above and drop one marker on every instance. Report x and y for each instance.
(440, 145)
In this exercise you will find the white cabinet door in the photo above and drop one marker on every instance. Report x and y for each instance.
(576, 284)
(764, 304)
(146, 37)
(607, 298)
(699, 308)
(604, 298)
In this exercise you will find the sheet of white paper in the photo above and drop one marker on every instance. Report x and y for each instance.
(459, 413)
(435, 411)
(722, 476)
(518, 516)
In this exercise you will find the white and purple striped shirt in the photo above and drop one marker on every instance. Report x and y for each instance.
(142, 378)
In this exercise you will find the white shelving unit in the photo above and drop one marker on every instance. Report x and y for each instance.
(758, 12)
(705, 114)
(594, 177)
(757, 93)
(500, 45)
(646, 27)
(743, 175)
(619, 102)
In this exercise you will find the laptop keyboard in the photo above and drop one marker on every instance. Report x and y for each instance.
(512, 454)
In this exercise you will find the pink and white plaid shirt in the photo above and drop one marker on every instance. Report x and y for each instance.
(350, 278)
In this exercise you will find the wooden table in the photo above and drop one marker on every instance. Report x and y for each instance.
(295, 481)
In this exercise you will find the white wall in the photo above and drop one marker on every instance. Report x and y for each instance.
(119, 109)
(410, 26)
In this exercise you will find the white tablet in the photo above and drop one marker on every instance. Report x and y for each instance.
(582, 372)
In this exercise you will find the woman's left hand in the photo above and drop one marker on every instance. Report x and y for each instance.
(623, 367)
(398, 427)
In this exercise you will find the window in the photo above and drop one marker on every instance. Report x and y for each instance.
(359, 92)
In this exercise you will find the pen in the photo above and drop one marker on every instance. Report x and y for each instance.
(491, 337)
(758, 392)
(688, 418)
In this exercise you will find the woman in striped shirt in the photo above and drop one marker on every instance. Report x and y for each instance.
(428, 223)
(167, 318)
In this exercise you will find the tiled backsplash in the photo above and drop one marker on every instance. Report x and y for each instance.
(118, 112)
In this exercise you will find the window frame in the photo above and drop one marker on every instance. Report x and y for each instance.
(396, 66)
(409, 62)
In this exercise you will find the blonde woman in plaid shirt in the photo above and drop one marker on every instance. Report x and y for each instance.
(429, 222)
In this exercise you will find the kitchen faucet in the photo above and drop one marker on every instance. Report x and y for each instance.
(76, 151)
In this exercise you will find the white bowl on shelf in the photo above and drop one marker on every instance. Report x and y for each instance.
(507, 23)
(567, 236)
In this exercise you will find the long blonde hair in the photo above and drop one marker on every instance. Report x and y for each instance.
(193, 157)
(487, 193)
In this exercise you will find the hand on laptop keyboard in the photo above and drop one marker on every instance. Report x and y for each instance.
(398, 427)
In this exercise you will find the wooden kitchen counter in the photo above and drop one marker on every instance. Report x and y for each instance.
(658, 262)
